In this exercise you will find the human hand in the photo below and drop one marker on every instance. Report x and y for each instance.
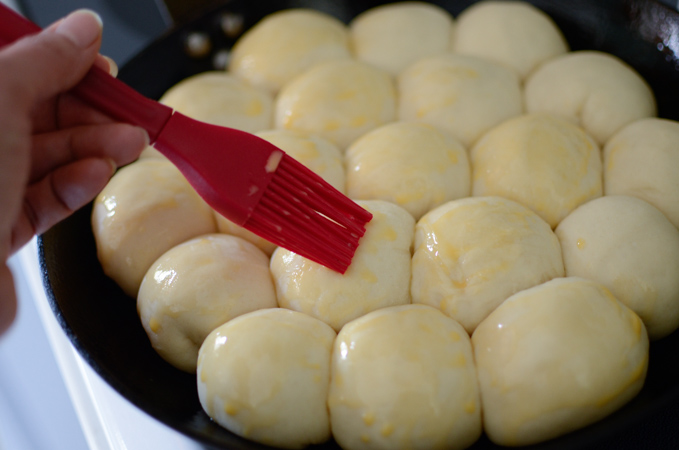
(56, 153)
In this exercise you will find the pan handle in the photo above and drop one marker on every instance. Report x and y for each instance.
(97, 88)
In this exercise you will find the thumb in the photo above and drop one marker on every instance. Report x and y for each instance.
(38, 67)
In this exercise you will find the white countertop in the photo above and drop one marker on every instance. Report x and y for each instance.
(36, 412)
(50, 398)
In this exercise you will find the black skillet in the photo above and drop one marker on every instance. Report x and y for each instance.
(102, 323)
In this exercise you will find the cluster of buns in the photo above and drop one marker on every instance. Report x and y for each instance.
(524, 247)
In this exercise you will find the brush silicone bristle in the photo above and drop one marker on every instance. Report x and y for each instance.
(303, 213)
(259, 187)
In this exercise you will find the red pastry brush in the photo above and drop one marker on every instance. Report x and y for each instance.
(243, 177)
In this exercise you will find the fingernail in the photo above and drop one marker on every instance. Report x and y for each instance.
(81, 27)
(147, 140)
(113, 165)
(112, 66)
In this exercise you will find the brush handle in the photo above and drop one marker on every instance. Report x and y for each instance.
(98, 89)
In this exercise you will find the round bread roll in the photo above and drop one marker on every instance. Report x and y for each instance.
(471, 254)
(339, 101)
(316, 153)
(197, 286)
(540, 161)
(226, 226)
(146, 208)
(595, 90)
(463, 95)
(515, 34)
(222, 99)
(630, 247)
(404, 377)
(379, 274)
(555, 358)
(150, 152)
(265, 375)
(285, 44)
(642, 160)
(393, 36)
(414, 165)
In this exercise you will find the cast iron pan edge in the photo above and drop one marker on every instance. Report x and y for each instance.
(102, 322)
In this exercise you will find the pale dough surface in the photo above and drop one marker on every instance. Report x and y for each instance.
(226, 226)
(150, 152)
(642, 160)
(515, 34)
(379, 274)
(265, 375)
(471, 254)
(595, 90)
(414, 165)
(145, 209)
(195, 287)
(404, 377)
(222, 99)
(555, 358)
(464, 95)
(630, 247)
(393, 36)
(541, 161)
(338, 100)
(285, 44)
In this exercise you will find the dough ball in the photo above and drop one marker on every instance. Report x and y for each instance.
(146, 208)
(197, 286)
(379, 274)
(265, 375)
(150, 152)
(414, 165)
(404, 377)
(226, 226)
(555, 358)
(393, 36)
(339, 101)
(471, 254)
(222, 99)
(631, 248)
(285, 44)
(593, 89)
(642, 160)
(540, 161)
(515, 34)
(463, 95)
(316, 153)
